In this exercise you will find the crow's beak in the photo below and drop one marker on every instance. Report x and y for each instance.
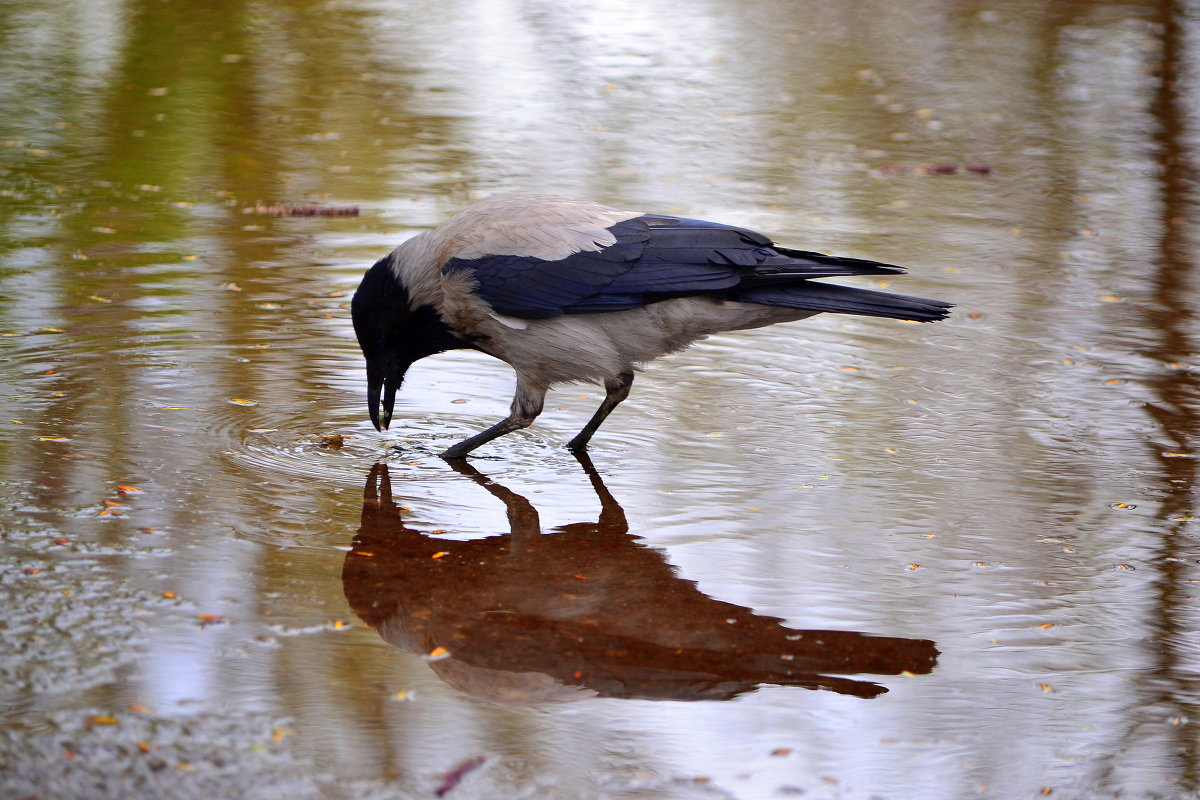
(384, 376)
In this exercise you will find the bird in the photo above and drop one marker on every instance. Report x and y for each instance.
(568, 290)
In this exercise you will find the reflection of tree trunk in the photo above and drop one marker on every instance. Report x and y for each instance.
(1175, 391)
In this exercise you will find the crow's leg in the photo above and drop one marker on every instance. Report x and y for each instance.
(526, 405)
(616, 390)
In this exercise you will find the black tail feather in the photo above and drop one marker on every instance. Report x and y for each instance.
(814, 296)
(840, 265)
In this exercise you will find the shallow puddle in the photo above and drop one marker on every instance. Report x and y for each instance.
(840, 558)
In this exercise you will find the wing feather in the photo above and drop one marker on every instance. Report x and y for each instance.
(653, 258)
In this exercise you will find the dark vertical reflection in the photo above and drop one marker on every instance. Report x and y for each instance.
(1175, 406)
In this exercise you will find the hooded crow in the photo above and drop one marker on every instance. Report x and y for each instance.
(567, 290)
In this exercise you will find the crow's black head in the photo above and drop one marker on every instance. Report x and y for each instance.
(393, 335)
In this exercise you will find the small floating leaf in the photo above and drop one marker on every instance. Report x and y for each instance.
(238, 401)
(437, 654)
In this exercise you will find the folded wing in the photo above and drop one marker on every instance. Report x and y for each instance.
(656, 258)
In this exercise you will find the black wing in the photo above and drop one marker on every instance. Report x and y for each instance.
(658, 257)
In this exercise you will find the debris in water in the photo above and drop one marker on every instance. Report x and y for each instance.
(333, 441)
(933, 169)
(302, 211)
(451, 779)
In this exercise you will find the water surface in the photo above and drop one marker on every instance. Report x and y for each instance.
(986, 524)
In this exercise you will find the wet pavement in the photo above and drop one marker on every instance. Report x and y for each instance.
(840, 558)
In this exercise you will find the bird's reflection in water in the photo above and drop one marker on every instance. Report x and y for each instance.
(585, 610)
